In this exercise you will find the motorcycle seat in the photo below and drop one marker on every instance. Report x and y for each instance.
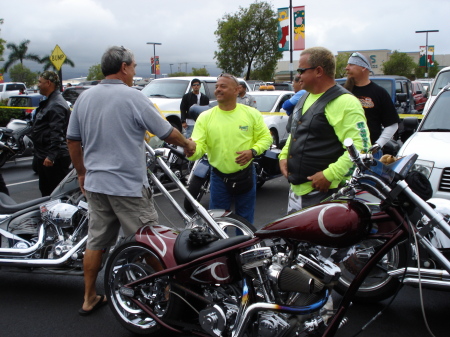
(185, 251)
(9, 206)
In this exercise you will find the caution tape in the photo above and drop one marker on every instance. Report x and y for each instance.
(18, 107)
(262, 113)
(418, 116)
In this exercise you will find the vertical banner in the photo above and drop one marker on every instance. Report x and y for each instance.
(1, 78)
(299, 27)
(429, 54)
(156, 71)
(283, 29)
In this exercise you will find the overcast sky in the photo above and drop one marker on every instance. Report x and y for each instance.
(85, 28)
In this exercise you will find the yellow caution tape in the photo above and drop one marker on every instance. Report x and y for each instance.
(18, 107)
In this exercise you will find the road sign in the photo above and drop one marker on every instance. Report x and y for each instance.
(57, 57)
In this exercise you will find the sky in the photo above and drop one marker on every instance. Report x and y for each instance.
(84, 29)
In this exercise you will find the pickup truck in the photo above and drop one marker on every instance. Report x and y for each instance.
(8, 89)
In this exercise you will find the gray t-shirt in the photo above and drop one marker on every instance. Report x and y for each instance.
(110, 120)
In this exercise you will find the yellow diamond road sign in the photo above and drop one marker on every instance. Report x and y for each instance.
(57, 57)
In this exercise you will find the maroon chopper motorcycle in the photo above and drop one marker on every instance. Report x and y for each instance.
(276, 282)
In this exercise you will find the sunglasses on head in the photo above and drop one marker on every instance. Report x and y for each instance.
(302, 70)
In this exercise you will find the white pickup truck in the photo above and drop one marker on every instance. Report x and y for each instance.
(8, 89)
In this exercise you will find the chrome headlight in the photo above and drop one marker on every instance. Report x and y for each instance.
(423, 166)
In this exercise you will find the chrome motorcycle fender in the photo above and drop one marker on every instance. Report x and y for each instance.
(332, 224)
(161, 240)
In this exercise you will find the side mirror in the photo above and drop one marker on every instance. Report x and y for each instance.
(418, 92)
(401, 97)
(410, 123)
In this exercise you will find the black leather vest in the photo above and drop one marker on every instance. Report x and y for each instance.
(314, 144)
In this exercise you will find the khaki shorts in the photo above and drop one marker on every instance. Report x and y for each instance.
(108, 213)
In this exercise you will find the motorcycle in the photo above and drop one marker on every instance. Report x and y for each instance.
(175, 160)
(275, 283)
(266, 167)
(48, 234)
(14, 141)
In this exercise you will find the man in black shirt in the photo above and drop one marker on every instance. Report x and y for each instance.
(382, 117)
(188, 100)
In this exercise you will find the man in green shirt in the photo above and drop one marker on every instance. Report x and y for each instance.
(232, 134)
(314, 159)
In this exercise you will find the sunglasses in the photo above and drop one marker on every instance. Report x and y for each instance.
(302, 70)
(360, 57)
(229, 76)
(196, 84)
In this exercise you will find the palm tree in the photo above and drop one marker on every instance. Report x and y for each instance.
(19, 53)
(48, 64)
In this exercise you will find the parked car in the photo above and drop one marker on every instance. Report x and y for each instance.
(8, 89)
(440, 81)
(71, 93)
(430, 142)
(167, 93)
(31, 100)
(282, 85)
(419, 94)
(398, 87)
(426, 83)
(270, 103)
(93, 82)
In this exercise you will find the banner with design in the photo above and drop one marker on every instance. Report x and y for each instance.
(158, 70)
(283, 29)
(429, 54)
(299, 27)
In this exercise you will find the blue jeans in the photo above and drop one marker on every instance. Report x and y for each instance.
(220, 198)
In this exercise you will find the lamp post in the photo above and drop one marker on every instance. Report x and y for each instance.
(154, 54)
(426, 47)
(171, 68)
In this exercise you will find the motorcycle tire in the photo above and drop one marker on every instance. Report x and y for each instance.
(3, 158)
(129, 262)
(378, 285)
(197, 188)
(235, 225)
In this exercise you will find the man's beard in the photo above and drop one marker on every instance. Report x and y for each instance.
(349, 84)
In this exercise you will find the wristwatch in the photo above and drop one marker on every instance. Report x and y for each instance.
(254, 152)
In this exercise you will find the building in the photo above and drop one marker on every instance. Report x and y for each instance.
(376, 56)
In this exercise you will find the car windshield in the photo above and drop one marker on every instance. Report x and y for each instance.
(385, 84)
(14, 86)
(19, 101)
(441, 81)
(166, 88)
(265, 103)
(437, 117)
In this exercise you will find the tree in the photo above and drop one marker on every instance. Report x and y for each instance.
(95, 73)
(49, 65)
(341, 63)
(2, 44)
(432, 71)
(20, 73)
(399, 64)
(200, 72)
(19, 53)
(248, 40)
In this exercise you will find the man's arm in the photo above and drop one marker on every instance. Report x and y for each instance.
(76, 155)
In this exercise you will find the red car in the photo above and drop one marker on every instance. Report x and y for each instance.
(419, 94)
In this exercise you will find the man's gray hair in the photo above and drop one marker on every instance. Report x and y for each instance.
(321, 57)
(113, 58)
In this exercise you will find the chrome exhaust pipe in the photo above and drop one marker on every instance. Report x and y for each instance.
(435, 274)
(43, 262)
(21, 251)
(427, 283)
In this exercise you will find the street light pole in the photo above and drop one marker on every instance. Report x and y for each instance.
(426, 47)
(154, 54)
(171, 68)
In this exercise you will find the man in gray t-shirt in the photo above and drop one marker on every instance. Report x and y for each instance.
(106, 144)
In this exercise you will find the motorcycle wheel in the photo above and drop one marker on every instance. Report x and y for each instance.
(378, 285)
(3, 158)
(259, 179)
(197, 188)
(129, 262)
(235, 225)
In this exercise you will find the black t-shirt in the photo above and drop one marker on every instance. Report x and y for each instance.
(378, 107)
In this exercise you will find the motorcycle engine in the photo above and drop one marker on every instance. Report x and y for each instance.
(62, 214)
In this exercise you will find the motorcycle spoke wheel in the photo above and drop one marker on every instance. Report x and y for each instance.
(129, 262)
(378, 285)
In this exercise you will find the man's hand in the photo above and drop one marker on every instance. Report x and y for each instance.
(284, 167)
(48, 162)
(184, 125)
(244, 157)
(190, 147)
(319, 182)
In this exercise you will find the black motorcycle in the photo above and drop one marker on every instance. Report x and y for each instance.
(14, 141)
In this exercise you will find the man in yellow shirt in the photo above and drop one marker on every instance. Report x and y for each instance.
(232, 134)
(314, 159)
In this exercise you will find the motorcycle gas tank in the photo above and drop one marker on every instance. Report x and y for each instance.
(333, 224)
(67, 185)
(16, 124)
